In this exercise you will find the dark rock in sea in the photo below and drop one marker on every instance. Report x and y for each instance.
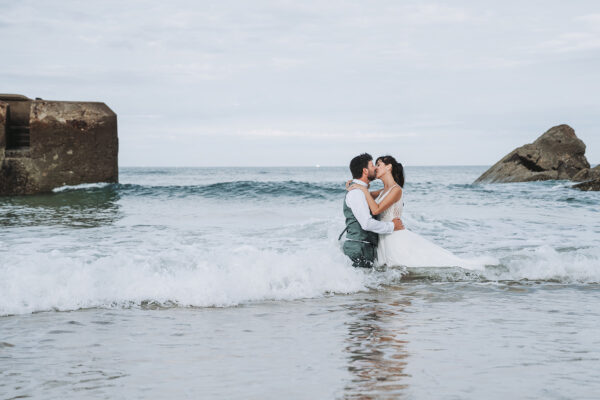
(588, 186)
(587, 174)
(557, 154)
(46, 144)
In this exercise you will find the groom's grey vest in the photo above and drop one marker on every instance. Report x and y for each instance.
(360, 245)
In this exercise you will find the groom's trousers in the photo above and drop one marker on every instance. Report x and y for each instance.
(362, 253)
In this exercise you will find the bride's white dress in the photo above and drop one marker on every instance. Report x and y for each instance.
(406, 248)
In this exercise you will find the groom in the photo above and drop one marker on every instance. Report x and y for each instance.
(361, 228)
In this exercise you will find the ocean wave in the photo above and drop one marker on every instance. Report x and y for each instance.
(223, 190)
(539, 264)
(188, 276)
(182, 276)
(545, 263)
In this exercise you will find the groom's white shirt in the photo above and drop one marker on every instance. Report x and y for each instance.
(355, 199)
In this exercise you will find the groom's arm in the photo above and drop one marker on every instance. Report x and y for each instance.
(358, 203)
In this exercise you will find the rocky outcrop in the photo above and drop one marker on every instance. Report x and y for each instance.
(589, 185)
(47, 144)
(587, 174)
(557, 154)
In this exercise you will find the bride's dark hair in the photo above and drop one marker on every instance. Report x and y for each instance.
(397, 168)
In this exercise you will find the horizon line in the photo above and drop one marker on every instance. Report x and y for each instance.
(291, 166)
(592, 165)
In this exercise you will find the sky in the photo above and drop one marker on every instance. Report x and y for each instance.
(302, 83)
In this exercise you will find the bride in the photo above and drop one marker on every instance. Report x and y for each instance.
(403, 247)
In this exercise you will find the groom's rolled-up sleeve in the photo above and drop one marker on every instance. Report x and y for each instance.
(360, 208)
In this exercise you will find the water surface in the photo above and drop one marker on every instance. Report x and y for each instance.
(229, 283)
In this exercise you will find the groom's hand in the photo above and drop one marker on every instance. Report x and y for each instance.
(398, 226)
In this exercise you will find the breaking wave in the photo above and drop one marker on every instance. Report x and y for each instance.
(186, 275)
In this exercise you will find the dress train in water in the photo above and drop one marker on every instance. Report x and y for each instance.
(408, 249)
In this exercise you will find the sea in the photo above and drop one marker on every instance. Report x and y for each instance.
(229, 283)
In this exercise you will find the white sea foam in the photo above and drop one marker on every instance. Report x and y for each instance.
(188, 276)
(60, 281)
(83, 186)
(547, 264)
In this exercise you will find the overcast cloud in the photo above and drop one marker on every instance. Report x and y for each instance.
(198, 83)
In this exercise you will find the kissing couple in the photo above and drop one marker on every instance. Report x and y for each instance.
(375, 234)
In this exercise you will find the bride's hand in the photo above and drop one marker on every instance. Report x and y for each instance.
(348, 183)
(357, 186)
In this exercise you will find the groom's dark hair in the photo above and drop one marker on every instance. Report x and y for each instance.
(358, 163)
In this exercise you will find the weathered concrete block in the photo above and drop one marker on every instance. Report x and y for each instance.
(55, 143)
(3, 110)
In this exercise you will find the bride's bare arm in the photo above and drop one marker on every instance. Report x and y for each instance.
(375, 193)
(391, 198)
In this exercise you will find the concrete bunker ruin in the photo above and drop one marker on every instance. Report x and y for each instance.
(47, 144)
